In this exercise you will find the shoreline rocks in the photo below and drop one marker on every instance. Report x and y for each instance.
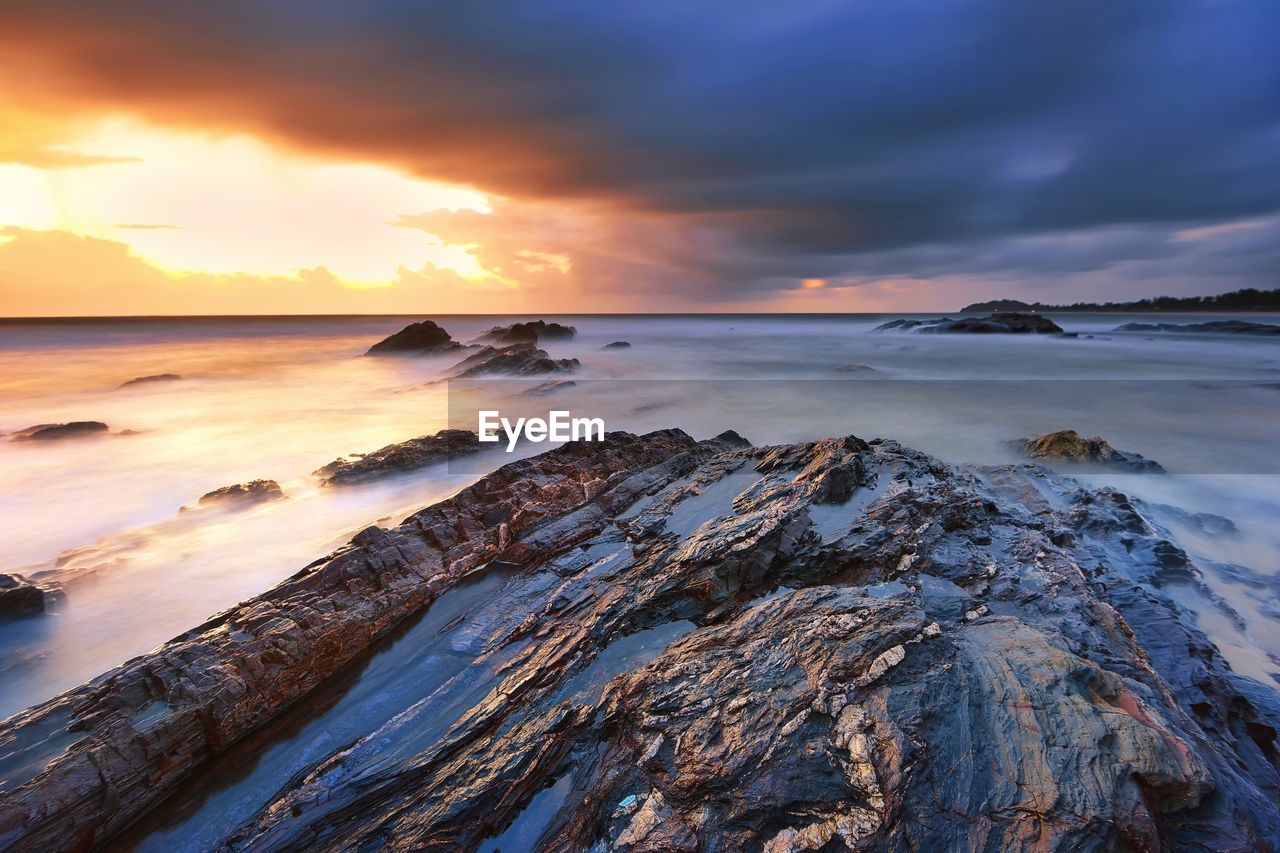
(399, 458)
(1000, 322)
(422, 338)
(1068, 446)
(862, 646)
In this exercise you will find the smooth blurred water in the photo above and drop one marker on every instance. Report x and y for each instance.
(278, 397)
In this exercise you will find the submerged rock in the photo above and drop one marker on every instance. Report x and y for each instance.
(424, 338)
(530, 332)
(149, 380)
(617, 345)
(513, 360)
(1068, 446)
(1000, 322)
(242, 494)
(860, 647)
(399, 458)
(1213, 327)
(545, 388)
(20, 597)
(58, 432)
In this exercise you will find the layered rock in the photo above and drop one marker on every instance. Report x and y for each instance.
(399, 458)
(423, 338)
(514, 360)
(707, 645)
(1068, 446)
(529, 332)
(1213, 327)
(999, 323)
(60, 432)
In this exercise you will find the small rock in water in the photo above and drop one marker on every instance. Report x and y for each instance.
(422, 338)
(243, 494)
(514, 360)
(148, 380)
(1068, 446)
(1000, 323)
(617, 345)
(398, 458)
(57, 432)
(20, 597)
(530, 332)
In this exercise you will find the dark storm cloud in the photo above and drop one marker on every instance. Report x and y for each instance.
(802, 136)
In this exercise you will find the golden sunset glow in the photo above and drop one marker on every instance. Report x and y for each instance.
(188, 202)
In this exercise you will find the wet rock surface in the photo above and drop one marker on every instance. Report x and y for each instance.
(423, 338)
(617, 345)
(1213, 327)
(514, 360)
(151, 380)
(530, 332)
(399, 458)
(999, 322)
(242, 494)
(60, 432)
(1069, 446)
(20, 597)
(712, 646)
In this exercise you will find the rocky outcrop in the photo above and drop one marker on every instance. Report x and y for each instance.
(20, 597)
(151, 380)
(399, 458)
(242, 495)
(60, 432)
(513, 360)
(617, 345)
(998, 323)
(708, 645)
(530, 332)
(424, 338)
(1213, 327)
(1068, 446)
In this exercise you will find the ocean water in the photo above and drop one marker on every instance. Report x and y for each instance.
(279, 397)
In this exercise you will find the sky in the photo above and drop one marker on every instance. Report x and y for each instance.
(578, 156)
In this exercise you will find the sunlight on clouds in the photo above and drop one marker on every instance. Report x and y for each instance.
(235, 205)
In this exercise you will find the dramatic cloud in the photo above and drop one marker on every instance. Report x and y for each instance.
(804, 140)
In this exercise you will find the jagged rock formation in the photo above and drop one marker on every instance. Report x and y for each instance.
(243, 494)
(1213, 327)
(399, 458)
(20, 597)
(424, 338)
(999, 322)
(863, 647)
(514, 360)
(58, 432)
(530, 332)
(1068, 446)
(151, 380)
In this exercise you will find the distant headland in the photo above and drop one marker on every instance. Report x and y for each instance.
(1248, 299)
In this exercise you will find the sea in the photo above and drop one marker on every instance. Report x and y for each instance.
(278, 397)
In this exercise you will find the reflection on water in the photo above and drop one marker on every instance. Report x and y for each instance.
(277, 398)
